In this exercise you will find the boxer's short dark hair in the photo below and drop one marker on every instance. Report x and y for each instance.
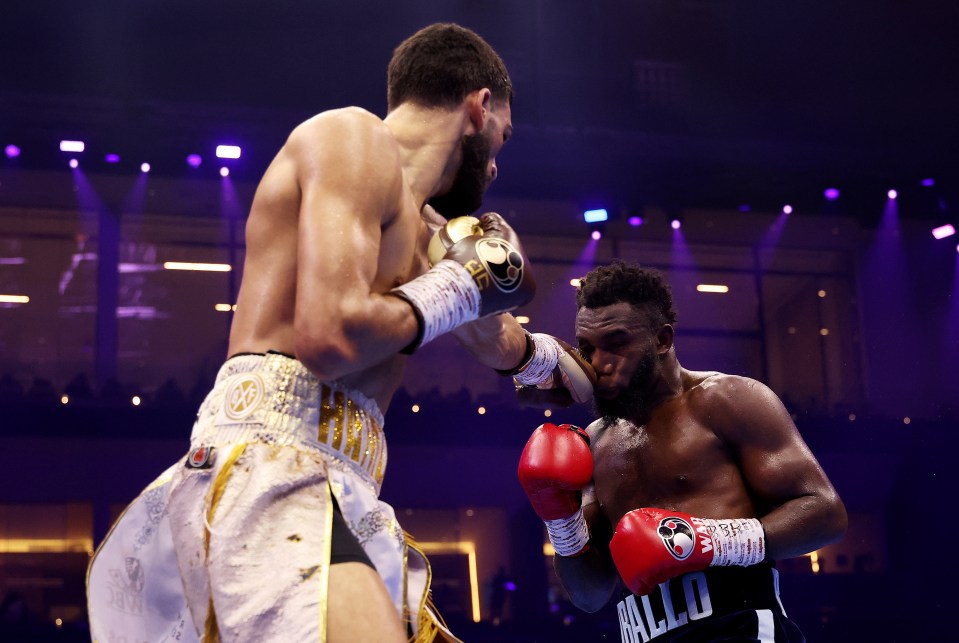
(442, 63)
(645, 288)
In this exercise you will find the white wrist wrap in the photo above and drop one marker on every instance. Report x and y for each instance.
(542, 363)
(569, 536)
(737, 541)
(445, 296)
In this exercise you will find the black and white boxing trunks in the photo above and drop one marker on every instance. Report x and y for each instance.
(719, 603)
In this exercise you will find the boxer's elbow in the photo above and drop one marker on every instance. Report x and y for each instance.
(838, 519)
(589, 586)
(327, 356)
(589, 602)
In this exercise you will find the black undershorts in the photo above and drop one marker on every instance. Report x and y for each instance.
(344, 547)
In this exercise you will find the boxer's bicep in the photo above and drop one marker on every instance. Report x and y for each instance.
(801, 509)
(776, 462)
(347, 193)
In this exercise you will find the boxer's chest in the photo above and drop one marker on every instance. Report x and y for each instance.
(653, 465)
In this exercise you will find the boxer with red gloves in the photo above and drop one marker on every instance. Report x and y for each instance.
(694, 482)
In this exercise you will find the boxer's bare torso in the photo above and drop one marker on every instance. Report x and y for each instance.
(675, 459)
(287, 228)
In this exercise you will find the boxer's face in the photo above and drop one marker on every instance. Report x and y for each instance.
(470, 183)
(635, 395)
(478, 168)
(618, 342)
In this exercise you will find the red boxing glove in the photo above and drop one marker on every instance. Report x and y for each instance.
(650, 546)
(555, 466)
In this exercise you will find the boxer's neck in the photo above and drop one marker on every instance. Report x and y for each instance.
(430, 141)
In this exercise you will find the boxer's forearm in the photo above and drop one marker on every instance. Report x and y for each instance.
(497, 341)
(804, 524)
(590, 578)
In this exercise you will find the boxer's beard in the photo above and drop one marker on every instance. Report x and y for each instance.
(632, 402)
(469, 185)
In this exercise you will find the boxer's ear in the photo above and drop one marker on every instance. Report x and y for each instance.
(478, 105)
(664, 339)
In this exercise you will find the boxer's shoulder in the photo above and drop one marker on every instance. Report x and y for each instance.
(350, 116)
(348, 129)
(345, 149)
(701, 379)
(715, 388)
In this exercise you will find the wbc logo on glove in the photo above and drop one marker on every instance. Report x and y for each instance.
(502, 262)
(678, 537)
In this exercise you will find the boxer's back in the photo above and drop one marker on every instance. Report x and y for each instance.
(266, 306)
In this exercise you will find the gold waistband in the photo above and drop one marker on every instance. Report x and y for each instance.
(273, 398)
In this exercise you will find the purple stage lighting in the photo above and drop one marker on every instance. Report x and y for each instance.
(71, 146)
(927, 183)
(194, 160)
(787, 209)
(943, 231)
(228, 151)
(224, 172)
(74, 163)
(112, 158)
(675, 224)
(596, 235)
(12, 151)
(892, 194)
(595, 216)
(144, 167)
(635, 221)
(745, 207)
(831, 194)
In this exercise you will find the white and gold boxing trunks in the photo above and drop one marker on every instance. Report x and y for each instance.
(233, 541)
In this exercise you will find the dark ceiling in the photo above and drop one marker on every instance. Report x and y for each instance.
(620, 102)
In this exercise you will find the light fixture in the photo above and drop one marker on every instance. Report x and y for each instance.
(717, 288)
(202, 267)
(944, 231)
(595, 216)
(228, 151)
